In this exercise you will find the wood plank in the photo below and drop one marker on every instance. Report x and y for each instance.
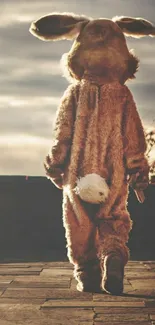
(41, 282)
(2, 289)
(46, 293)
(135, 274)
(76, 314)
(152, 317)
(145, 268)
(145, 284)
(86, 303)
(5, 283)
(151, 267)
(21, 301)
(123, 310)
(128, 288)
(6, 278)
(140, 276)
(24, 265)
(121, 317)
(16, 266)
(56, 272)
(60, 265)
(139, 268)
(27, 269)
(20, 271)
(47, 321)
(144, 293)
(120, 299)
(123, 323)
(135, 262)
(149, 261)
(42, 279)
(33, 313)
(150, 303)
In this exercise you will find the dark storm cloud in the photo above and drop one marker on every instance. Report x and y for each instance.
(31, 79)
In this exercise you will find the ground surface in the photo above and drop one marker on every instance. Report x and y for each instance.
(45, 293)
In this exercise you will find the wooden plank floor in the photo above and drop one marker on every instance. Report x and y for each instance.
(45, 293)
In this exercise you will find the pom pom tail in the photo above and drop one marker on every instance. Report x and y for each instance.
(92, 188)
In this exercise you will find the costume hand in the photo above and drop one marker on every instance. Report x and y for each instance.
(139, 181)
(58, 182)
(54, 173)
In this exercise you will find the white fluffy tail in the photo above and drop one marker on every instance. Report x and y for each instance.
(92, 188)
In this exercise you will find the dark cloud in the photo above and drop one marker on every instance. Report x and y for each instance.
(31, 82)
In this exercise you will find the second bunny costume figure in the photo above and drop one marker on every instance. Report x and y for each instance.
(98, 143)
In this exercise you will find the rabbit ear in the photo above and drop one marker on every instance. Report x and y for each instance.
(135, 27)
(58, 26)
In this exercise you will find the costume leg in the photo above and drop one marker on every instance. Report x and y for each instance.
(81, 248)
(113, 236)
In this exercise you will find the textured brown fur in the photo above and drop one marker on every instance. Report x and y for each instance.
(136, 27)
(97, 130)
(118, 145)
(57, 26)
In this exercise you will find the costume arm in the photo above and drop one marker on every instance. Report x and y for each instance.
(62, 139)
(134, 142)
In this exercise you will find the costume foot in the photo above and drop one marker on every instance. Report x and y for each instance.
(113, 274)
(88, 277)
(88, 287)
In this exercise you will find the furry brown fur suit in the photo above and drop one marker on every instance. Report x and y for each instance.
(108, 139)
(97, 130)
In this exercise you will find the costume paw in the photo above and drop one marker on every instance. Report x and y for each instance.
(139, 181)
(58, 182)
(53, 171)
(113, 274)
(88, 277)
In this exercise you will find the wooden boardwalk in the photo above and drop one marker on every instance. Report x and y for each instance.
(45, 294)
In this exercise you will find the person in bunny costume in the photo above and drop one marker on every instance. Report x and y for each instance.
(99, 143)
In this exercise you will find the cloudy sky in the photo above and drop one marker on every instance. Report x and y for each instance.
(31, 82)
